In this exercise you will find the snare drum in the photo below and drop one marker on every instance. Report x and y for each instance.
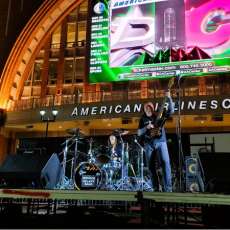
(115, 164)
(87, 176)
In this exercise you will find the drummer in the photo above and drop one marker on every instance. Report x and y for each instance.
(115, 148)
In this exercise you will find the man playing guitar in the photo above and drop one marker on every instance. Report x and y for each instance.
(152, 133)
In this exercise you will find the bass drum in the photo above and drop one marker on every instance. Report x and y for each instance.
(87, 176)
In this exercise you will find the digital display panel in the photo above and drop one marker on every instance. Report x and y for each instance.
(152, 39)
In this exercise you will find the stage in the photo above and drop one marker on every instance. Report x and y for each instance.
(95, 195)
(124, 209)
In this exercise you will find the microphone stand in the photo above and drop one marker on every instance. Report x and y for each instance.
(180, 149)
(122, 161)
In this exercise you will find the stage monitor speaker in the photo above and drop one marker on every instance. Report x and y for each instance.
(194, 181)
(192, 185)
(51, 173)
(192, 168)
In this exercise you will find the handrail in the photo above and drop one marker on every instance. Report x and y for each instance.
(94, 96)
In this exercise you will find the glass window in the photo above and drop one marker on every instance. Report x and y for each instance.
(36, 91)
(29, 80)
(68, 71)
(134, 90)
(53, 72)
(71, 34)
(56, 38)
(37, 71)
(26, 92)
(81, 31)
(80, 68)
(82, 14)
(84, 6)
(73, 15)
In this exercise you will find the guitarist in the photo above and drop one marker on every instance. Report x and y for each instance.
(152, 132)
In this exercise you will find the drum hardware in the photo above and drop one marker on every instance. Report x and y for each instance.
(102, 171)
(125, 182)
(114, 167)
(64, 180)
(109, 184)
(91, 158)
(76, 132)
(74, 162)
(110, 169)
(141, 183)
(120, 132)
(103, 156)
(122, 159)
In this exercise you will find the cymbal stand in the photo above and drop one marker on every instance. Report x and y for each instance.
(123, 183)
(127, 163)
(141, 182)
(142, 163)
(64, 163)
(74, 163)
(64, 180)
(90, 153)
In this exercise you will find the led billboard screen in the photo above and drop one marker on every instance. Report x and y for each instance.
(147, 39)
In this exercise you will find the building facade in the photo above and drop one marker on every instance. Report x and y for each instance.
(46, 69)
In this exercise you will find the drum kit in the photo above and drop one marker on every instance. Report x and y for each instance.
(103, 170)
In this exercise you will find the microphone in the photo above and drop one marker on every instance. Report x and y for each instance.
(178, 75)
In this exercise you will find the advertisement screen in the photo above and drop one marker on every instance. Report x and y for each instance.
(152, 39)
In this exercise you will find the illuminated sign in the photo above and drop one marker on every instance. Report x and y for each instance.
(188, 106)
(148, 39)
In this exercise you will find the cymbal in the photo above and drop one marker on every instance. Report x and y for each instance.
(119, 132)
(72, 153)
(75, 131)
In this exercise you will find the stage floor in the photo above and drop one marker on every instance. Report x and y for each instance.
(98, 195)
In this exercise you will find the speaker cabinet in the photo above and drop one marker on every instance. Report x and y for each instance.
(194, 181)
(51, 173)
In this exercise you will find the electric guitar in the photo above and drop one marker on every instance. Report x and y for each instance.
(160, 119)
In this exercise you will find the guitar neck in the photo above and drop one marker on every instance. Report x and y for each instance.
(160, 113)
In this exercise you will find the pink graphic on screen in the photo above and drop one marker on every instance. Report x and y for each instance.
(208, 25)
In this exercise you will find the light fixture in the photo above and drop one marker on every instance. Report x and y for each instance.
(42, 112)
(47, 118)
(54, 112)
